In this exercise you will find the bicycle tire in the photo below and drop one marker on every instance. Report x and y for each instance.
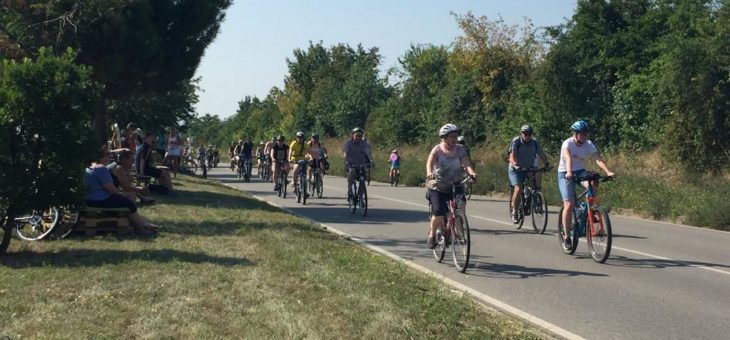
(320, 186)
(461, 241)
(363, 200)
(283, 184)
(468, 191)
(367, 174)
(521, 210)
(509, 202)
(279, 185)
(351, 199)
(539, 212)
(561, 233)
(397, 179)
(69, 219)
(303, 187)
(599, 245)
(5, 234)
(37, 225)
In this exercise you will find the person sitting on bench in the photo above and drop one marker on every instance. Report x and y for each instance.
(103, 194)
(146, 163)
(122, 176)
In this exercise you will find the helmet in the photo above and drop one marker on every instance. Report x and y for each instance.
(300, 134)
(240, 141)
(394, 151)
(315, 135)
(448, 128)
(261, 143)
(357, 129)
(526, 128)
(580, 126)
(460, 139)
(280, 137)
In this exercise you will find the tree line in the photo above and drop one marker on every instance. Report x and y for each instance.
(647, 74)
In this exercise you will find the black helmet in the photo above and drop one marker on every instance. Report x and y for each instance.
(526, 128)
(300, 134)
(280, 137)
(315, 135)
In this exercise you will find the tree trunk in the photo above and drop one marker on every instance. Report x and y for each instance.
(100, 124)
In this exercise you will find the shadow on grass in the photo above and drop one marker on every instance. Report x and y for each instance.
(93, 258)
(216, 199)
(230, 228)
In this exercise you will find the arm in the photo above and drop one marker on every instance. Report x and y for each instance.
(429, 166)
(565, 154)
(602, 164)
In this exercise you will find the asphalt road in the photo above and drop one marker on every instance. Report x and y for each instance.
(662, 281)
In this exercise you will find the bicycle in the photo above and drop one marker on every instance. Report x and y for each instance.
(264, 170)
(367, 175)
(316, 186)
(457, 228)
(244, 169)
(359, 196)
(467, 187)
(281, 181)
(394, 179)
(37, 224)
(189, 164)
(532, 202)
(598, 232)
(301, 188)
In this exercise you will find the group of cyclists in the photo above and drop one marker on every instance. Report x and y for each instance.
(448, 162)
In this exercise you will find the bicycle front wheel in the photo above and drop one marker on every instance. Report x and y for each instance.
(363, 200)
(539, 212)
(351, 203)
(599, 235)
(461, 241)
(37, 225)
(303, 187)
(320, 186)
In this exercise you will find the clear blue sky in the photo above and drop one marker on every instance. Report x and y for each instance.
(249, 55)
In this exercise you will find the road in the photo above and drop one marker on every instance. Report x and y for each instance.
(662, 281)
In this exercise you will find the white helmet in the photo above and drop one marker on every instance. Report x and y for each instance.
(448, 128)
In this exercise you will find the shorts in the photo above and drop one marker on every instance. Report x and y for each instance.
(567, 188)
(439, 202)
(395, 167)
(113, 201)
(174, 152)
(516, 177)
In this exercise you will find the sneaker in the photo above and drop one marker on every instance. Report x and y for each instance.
(567, 244)
(431, 242)
(515, 219)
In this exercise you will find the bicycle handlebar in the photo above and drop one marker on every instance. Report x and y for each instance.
(593, 176)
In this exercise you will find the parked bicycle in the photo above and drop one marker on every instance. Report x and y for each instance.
(456, 232)
(37, 224)
(188, 164)
(590, 220)
(531, 202)
(359, 196)
(316, 184)
(281, 181)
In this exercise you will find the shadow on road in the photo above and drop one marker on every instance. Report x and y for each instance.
(512, 271)
(622, 261)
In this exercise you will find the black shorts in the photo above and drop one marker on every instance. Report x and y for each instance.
(439, 202)
(114, 201)
(153, 172)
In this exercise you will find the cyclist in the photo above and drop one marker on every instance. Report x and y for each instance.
(279, 152)
(394, 164)
(245, 152)
(356, 152)
(445, 165)
(524, 152)
(573, 154)
(267, 150)
(298, 151)
(260, 156)
(317, 153)
(461, 140)
(232, 154)
(235, 155)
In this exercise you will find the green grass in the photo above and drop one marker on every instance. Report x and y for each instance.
(642, 188)
(225, 266)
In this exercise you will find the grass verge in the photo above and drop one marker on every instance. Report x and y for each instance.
(224, 266)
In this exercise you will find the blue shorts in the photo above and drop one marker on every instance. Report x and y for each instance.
(394, 166)
(567, 188)
(516, 177)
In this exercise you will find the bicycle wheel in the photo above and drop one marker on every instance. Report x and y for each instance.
(303, 187)
(320, 186)
(363, 199)
(69, 219)
(397, 178)
(539, 212)
(37, 225)
(283, 184)
(461, 243)
(561, 234)
(521, 210)
(367, 175)
(351, 201)
(279, 185)
(599, 235)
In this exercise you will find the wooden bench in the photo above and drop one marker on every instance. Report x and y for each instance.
(93, 220)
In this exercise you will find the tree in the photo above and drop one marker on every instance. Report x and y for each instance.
(45, 135)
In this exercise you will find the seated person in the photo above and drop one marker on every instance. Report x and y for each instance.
(103, 194)
(146, 163)
(122, 175)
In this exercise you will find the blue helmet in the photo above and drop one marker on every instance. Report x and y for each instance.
(580, 126)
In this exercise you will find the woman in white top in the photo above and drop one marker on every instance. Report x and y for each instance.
(573, 155)
(174, 149)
